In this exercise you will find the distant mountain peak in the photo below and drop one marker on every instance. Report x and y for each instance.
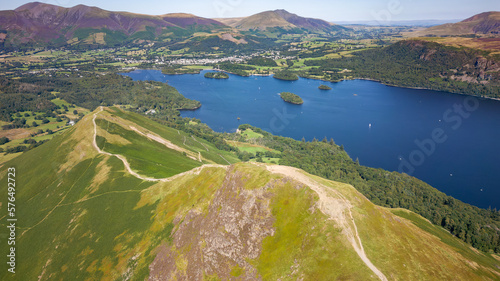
(483, 16)
(487, 23)
(31, 5)
(280, 18)
(37, 6)
(282, 11)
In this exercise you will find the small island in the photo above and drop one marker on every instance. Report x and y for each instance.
(291, 98)
(324, 87)
(286, 75)
(216, 75)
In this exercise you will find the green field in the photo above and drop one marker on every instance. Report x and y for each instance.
(32, 132)
(250, 134)
(251, 148)
(445, 237)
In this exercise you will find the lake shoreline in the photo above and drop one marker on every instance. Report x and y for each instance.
(398, 116)
(319, 79)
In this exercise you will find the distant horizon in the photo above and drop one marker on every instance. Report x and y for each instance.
(334, 11)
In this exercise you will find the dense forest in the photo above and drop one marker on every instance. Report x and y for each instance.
(478, 227)
(415, 63)
(216, 75)
(235, 68)
(262, 61)
(178, 69)
(35, 93)
(286, 75)
(24, 95)
(291, 98)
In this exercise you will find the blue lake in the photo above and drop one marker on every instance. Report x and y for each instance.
(447, 140)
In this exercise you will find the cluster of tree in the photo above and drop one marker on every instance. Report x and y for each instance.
(324, 87)
(262, 61)
(17, 123)
(24, 95)
(286, 75)
(247, 156)
(415, 63)
(235, 68)
(31, 143)
(178, 69)
(291, 98)
(4, 140)
(478, 227)
(216, 75)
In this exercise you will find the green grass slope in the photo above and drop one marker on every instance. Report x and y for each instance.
(147, 157)
(83, 216)
(208, 151)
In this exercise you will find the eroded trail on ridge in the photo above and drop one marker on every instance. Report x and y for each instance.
(127, 165)
(334, 205)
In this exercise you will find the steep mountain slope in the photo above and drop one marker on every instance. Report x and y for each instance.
(83, 215)
(308, 23)
(34, 22)
(487, 23)
(282, 19)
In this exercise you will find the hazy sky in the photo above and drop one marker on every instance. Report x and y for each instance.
(332, 10)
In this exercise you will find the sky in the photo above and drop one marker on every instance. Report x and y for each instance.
(330, 10)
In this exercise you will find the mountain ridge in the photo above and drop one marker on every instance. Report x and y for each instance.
(37, 21)
(238, 221)
(40, 24)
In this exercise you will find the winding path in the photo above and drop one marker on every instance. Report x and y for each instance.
(195, 171)
(339, 209)
(133, 173)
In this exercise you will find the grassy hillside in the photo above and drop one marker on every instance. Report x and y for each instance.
(477, 227)
(209, 153)
(83, 216)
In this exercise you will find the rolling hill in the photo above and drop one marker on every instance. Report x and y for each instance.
(281, 19)
(127, 198)
(487, 23)
(44, 23)
(38, 24)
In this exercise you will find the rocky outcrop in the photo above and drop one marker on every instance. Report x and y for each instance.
(222, 238)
